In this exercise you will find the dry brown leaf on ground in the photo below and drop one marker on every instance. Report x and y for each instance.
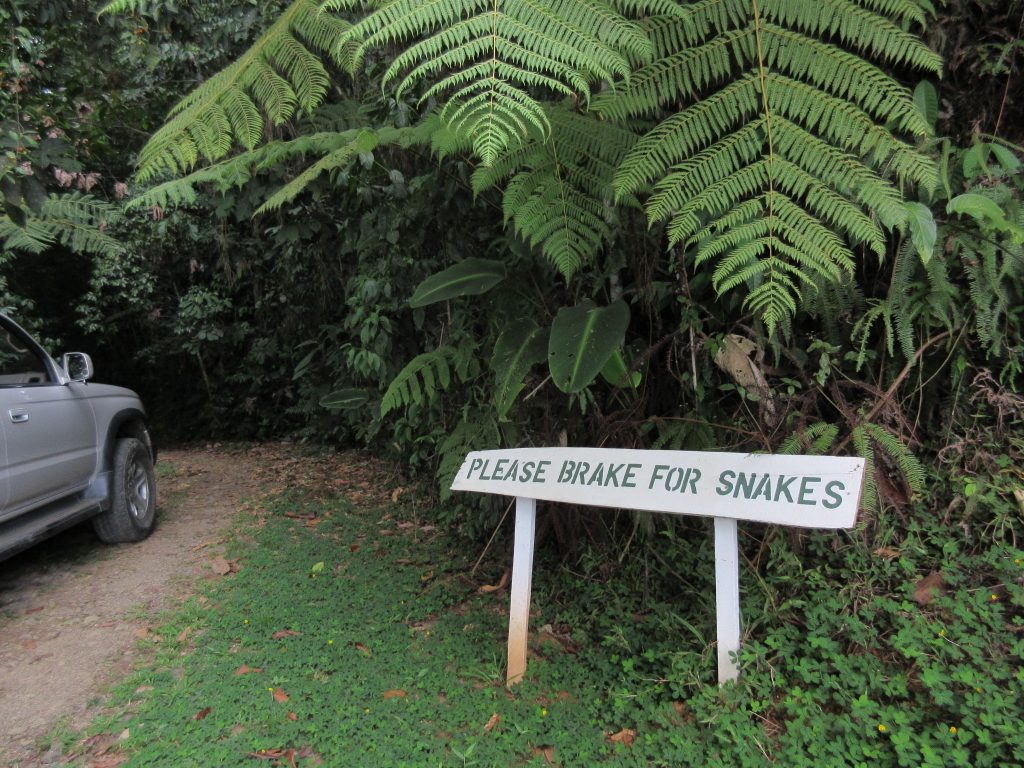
(220, 566)
(495, 719)
(202, 713)
(928, 588)
(245, 669)
(394, 693)
(364, 650)
(280, 696)
(547, 751)
(626, 737)
(283, 633)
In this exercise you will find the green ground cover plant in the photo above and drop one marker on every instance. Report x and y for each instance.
(355, 633)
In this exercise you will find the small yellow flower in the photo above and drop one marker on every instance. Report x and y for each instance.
(330, 642)
(543, 712)
(952, 729)
(367, 710)
(882, 728)
(977, 690)
(245, 621)
(993, 596)
(942, 633)
(1018, 561)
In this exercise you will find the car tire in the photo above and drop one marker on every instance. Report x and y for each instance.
(132, 512)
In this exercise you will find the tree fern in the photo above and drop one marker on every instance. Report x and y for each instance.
(786, 156)
(490, 58)
(280, 73)
(75, 220)
(558, 194)
(333, 150)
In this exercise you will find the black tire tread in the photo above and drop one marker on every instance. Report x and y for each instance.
(116, 525)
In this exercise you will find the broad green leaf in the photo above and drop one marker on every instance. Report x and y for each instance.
(978, 207)
(467, 278)
(923, 231)
(304, 364)
(582, 339)
(926, 100)
(1009, 161)
(616, 373)
(345, 399)
(520, 346)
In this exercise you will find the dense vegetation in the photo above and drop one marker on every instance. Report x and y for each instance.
(789, 230)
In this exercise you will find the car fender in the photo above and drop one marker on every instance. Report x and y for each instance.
(128, 422)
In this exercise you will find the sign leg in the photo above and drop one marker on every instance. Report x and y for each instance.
(522, 586)
(727, 596)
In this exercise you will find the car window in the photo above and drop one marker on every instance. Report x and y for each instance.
(19, 365)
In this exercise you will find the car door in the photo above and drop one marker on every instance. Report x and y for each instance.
(48, 426)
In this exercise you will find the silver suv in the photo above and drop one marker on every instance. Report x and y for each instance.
(69, 450)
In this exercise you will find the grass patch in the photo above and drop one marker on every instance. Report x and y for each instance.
(352, 636)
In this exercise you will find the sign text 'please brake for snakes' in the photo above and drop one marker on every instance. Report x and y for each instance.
(808, 491)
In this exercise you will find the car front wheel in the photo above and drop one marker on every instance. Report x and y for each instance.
(132, 511)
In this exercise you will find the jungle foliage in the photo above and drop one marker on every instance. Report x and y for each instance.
(635, 223)
(760, 225)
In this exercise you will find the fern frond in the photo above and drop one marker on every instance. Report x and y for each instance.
(858, 27)
(487, 58)
(365, 141)
(789, 150)
(470, 434)
(75, 220)
(862, 447)
(815, 439)
(280, 73)
(895, 449)
(419, 381)
(334, 149)
(559, 187)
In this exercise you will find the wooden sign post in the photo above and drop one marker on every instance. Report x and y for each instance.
(804, 491)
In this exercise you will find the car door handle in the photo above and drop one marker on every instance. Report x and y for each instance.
(18, 415)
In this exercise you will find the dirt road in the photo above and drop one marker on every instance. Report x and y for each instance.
(72, 608)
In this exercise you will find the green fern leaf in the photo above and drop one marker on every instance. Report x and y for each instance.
(362, 143)
(488, 59)
(335, 150)
(790, 150)
(815, 440)
(558, 191)
(280, 73)
(75, 220)
(419, 381)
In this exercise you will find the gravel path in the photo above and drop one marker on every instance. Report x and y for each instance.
(72, 608)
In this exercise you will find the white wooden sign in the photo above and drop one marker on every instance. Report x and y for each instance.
(804, 491)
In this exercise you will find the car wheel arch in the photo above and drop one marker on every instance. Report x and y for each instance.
(128, 423)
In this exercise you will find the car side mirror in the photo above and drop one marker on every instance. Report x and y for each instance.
(78, 366)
